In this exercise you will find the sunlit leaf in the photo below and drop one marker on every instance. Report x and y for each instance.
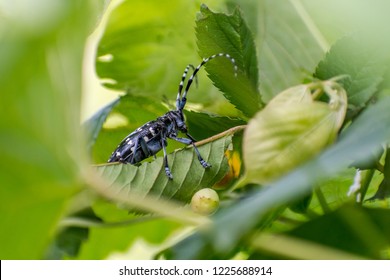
(290, 45)
(289, 131)
(293, 95)
(364, 65)
(278, 140)
(143, 47)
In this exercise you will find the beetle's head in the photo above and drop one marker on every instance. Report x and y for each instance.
(180, 122)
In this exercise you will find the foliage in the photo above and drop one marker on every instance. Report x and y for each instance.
(41, 147)
(298, 139)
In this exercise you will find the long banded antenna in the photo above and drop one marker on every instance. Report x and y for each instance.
(180, 103)
(183, 78)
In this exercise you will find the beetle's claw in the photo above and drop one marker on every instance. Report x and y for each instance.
(205, 164)
(168, 173)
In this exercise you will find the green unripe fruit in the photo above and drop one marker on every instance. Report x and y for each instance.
(205, 201)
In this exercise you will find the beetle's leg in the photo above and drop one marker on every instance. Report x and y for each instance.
(189, 142)
(201, 160)
(167, 170)
(145, 148)
(130, 158)
(138, 144)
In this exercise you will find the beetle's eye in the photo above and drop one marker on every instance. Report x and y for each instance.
(182, 126)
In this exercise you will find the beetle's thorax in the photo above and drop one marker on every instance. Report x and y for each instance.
(174, 120)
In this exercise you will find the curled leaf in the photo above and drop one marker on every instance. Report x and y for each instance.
(291, 130)
(297, 94)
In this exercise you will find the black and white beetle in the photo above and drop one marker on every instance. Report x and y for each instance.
(150, 138)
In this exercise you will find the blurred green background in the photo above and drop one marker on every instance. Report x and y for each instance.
(48, 87)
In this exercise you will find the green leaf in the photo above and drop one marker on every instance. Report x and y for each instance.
(289, 43)
(301, 205)
(188, 175)
(221, 33)
(94, 124)
(203, 125)
(367, 133)
(383, 191)
(40, 143)
(276, 141)
(358, 230)
(68, 241)
(293, 95)
(272, 246)
(289, 131)
(105, 241)
(143, 47)
(363, 62)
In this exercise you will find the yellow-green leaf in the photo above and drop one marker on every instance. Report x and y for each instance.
(297, 94)
(291, 130)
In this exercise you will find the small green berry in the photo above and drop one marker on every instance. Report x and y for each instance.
(205, 201)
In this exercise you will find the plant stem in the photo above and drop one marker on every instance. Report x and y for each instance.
(230, 131)
(322, 200)
(297, 248)
(87, 223)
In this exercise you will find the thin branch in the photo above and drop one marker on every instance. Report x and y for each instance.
(225, 133)
(296, 248)
(322, 200)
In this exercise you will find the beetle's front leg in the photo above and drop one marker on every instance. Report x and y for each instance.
(189, 142)
(201, 160)
(167, 170)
